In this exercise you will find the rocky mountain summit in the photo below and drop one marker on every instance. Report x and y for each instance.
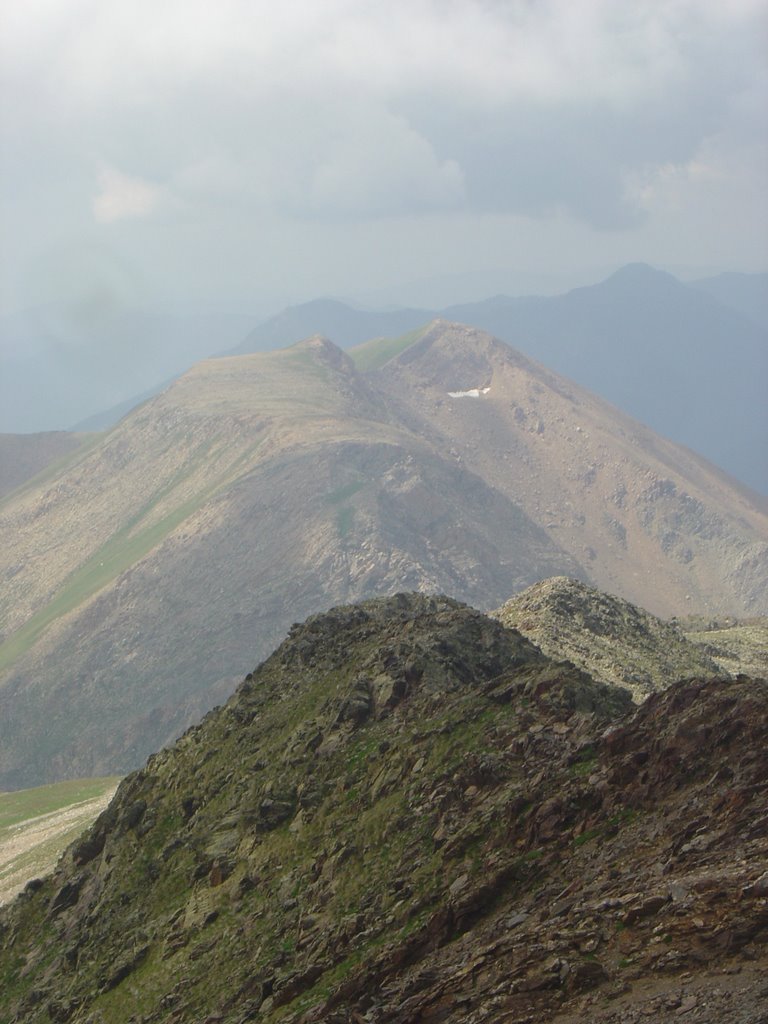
(141, 575)
(409, 813)
(613, 640)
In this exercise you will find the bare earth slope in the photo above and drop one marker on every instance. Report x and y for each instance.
(258, 489)
(255, 490)
(409, 814)
(646, 519)
(613, 640)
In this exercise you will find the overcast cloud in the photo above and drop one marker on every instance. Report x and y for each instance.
(238, 154)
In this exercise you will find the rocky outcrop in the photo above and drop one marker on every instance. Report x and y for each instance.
(735, 646)
(409, 813)
(613, 640)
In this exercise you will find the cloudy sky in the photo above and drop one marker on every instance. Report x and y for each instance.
(237, 154)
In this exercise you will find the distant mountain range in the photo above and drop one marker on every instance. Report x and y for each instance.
(670, 355)
(746, 293)
(691, 360)
(332, 319)
(143, 571)
(60, 366)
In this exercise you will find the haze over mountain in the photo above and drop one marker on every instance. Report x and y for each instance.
(673, 357)
(409, 813)
(333, 319)
(685, 360)
(261, 488)
(689, 360)
(60, 364)
(746, 293)
(341, 148)
(22, 456)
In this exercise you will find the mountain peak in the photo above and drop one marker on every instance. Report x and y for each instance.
(453, 356)
(639, 275)
(324, 351)
(314, 371)
(261, 487)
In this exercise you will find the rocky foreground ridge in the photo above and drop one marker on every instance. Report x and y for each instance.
(409, 813)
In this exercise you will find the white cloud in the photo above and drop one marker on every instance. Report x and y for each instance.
(669, 185)
(380, 165)
(227, 115)
(121, 197)
(491, 52)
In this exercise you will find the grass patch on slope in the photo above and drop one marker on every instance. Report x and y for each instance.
(31, 803)
(124, 549)
(345, 492)
(37, 825)
(372, 355)
(345, 519)
(113, 558)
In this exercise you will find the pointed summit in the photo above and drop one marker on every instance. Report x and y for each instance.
(322, 348)
(453, 357)
(640, 275)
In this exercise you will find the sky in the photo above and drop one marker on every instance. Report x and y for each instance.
(241, 155)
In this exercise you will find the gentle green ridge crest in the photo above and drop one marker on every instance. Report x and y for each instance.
(372, 355)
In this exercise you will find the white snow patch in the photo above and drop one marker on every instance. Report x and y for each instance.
(472, 393)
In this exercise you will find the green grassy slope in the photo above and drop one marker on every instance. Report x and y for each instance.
(177, 475)
(371, 355)
(36, 826)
